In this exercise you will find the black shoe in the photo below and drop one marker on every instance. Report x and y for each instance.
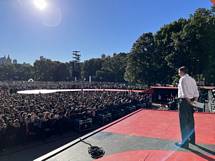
(182, 145)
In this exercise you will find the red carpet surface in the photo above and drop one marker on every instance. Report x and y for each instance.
(156, 155)
(165, 125)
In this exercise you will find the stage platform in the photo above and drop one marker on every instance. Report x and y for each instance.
(145, 135)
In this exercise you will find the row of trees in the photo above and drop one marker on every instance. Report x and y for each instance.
(106, 68)
(154, 57)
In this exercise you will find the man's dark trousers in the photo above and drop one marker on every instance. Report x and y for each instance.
(186, 122)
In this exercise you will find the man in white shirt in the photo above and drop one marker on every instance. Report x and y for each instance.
(187, 93)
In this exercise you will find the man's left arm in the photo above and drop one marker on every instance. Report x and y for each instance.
(196, 92)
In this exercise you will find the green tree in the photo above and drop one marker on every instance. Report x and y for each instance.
(44, 69)
(113, 68)
(141, 65)
(90, 67)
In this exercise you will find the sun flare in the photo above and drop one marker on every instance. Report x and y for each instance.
(40, 4)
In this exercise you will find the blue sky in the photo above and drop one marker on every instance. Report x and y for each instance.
(94, 27)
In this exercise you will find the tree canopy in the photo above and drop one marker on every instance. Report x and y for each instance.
(155, 58)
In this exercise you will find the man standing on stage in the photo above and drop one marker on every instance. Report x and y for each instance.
(187, 93)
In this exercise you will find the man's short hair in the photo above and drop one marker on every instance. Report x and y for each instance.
(183, 69)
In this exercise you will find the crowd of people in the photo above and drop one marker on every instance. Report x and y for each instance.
(24, 117)
(20, 85)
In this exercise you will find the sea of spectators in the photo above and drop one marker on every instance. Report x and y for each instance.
(20, 85)
(26, 117)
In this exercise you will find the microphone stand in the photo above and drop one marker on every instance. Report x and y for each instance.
(95, 151)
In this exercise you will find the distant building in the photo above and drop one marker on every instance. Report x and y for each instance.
(7, 60)
(15, 61)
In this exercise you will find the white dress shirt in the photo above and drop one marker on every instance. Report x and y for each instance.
(187, 87)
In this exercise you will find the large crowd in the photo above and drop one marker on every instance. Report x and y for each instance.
(20, 85)
(24, 117)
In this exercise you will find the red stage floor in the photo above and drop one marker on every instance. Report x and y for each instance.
(165, 125)
(146, 135)
(153, 155)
